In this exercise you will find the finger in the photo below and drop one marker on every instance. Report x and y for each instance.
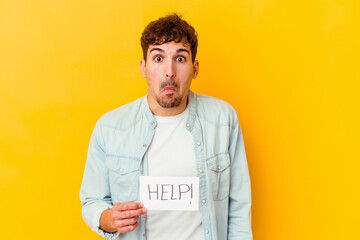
(125, 222)
(127, 228)
(128, 213)
(127, 206)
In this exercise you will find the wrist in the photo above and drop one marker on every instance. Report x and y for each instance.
(106, 221)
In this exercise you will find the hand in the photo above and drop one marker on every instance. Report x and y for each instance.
(123, 217)
(126, 216)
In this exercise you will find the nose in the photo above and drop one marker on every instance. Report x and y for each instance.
(170, 70)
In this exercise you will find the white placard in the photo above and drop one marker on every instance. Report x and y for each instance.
(169, 193)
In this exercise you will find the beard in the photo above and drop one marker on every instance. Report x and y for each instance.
(169, 101)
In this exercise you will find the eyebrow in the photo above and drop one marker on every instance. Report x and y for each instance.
(177, 51)
(182, 50)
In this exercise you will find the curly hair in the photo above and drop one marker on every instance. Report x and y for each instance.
(166, 29)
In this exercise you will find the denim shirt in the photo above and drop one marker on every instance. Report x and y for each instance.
(116, 159)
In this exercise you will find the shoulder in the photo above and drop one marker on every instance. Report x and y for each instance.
(215, 110)
(213, 103)
(124, 116)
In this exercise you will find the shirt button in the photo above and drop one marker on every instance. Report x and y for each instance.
(144, 145)
(219, 167)
(201, 171)
(121, 170)
(198, 143)
(207, 231)
(203, 201)
(188, 124)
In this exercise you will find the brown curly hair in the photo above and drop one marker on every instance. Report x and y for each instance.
(166, 29)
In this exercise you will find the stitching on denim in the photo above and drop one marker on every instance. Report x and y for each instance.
(218, 154)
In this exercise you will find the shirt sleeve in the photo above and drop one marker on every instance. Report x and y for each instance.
(95, 193)
(239, 226)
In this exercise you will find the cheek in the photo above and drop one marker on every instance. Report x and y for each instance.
(153, 81)
(153, 73)
(186, 76)
(186, 71)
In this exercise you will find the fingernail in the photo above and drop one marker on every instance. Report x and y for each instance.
(140, 205)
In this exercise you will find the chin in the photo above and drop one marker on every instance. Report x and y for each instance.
(167, 102)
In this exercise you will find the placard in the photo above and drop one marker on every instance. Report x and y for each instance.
(169, 193)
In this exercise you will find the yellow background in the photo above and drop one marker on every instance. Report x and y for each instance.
(290, 69)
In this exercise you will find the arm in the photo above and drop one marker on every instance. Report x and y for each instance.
(95, 193)
(99, 213)
(239, 226)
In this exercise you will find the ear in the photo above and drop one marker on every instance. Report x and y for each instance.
(142, 67)
(196, 68)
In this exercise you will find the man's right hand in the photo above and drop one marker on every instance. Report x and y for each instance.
(123, 217)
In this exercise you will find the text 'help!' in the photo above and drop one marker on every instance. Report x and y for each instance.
(169, 193)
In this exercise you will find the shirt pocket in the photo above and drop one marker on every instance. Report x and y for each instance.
(123, 178)
(219, 172)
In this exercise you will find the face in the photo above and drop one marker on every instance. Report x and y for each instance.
(169, 71)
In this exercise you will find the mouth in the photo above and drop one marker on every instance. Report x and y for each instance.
(169, 89)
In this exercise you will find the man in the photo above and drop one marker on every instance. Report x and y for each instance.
(169, 132)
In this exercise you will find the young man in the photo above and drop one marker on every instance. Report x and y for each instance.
(169, 132)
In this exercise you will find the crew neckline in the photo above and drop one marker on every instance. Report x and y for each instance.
(173, 118)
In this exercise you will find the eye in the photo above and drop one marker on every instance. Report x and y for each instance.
(158, 58)
(180, 59)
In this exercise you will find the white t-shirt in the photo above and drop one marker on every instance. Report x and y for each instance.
(171, 153)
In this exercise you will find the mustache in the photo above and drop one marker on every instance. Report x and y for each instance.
(169, 82)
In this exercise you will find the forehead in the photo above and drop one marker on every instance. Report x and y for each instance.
(170, 47)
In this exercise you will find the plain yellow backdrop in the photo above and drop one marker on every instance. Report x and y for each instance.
(290, 69)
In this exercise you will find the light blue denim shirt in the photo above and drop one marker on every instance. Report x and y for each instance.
(116, 159)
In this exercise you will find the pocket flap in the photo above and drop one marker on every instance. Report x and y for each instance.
(219, 162)
(122, 165)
